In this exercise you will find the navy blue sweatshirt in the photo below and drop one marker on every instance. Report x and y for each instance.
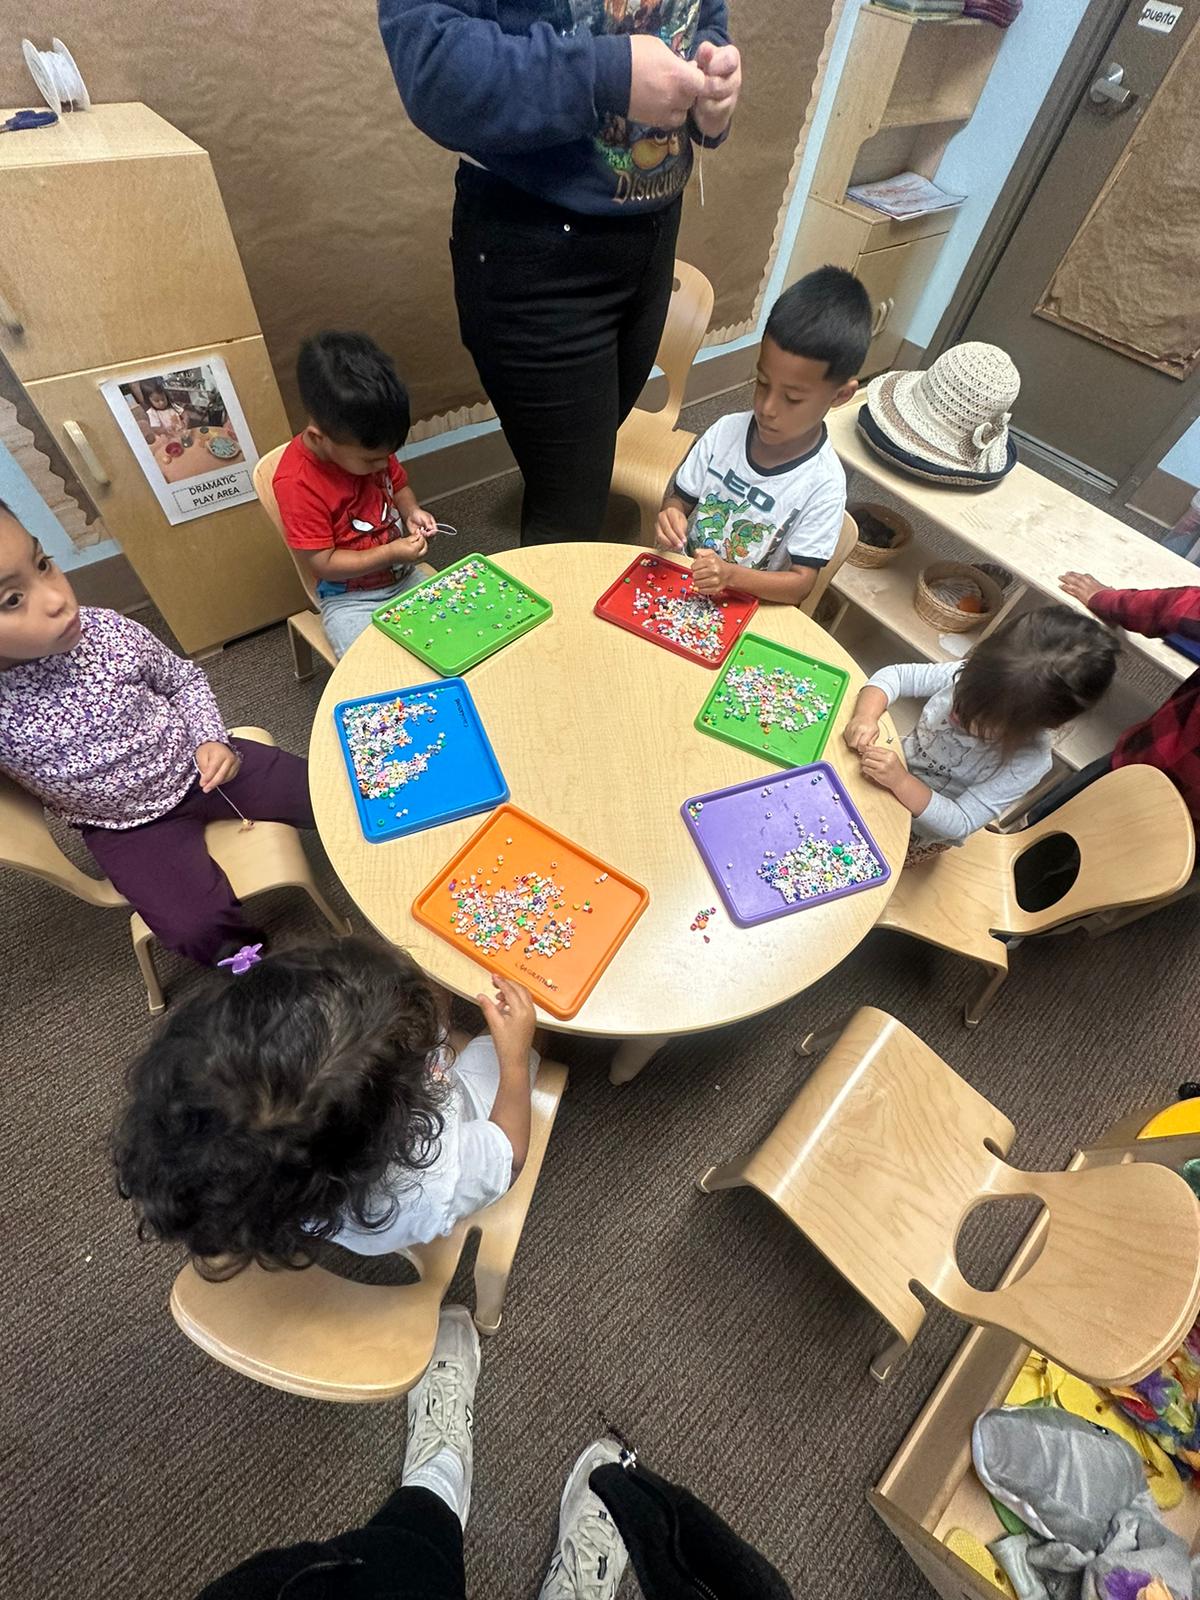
(537, 91)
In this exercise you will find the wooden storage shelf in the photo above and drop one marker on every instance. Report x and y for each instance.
(882, 598)
(886, 595)
(910, 84)
(1092, 736)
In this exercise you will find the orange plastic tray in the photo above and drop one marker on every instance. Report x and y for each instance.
(601, 903)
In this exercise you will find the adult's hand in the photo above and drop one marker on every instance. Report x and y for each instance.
(662, 86)
(722, 69)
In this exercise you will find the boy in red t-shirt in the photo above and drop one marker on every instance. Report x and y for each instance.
(343, 497)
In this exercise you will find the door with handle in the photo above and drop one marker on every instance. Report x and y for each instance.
(1084, 397)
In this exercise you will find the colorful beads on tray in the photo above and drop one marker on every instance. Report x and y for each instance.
(773, 697)
(375, 732)
(690, 620)
(525, 911)
(816, 866)
(472, 589)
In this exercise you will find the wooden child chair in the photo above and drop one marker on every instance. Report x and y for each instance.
(306, 633)
(886, 1150)
(316, 1334)
(649, 446)
(267, 856)
(847, 539)
(1136, 843)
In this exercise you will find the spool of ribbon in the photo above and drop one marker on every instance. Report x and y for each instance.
(59, 81)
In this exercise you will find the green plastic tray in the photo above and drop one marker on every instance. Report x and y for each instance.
(789, 747)
(462, 614)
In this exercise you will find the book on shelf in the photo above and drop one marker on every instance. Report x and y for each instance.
(906, 195)
(922, 8)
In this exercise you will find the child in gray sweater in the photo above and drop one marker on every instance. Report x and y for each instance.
(984, 736)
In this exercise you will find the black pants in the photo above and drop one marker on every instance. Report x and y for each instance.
(562, 314)
(412, 1549)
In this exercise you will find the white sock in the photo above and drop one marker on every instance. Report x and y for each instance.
(445, 1476)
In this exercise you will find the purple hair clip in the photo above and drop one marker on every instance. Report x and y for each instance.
(248, 956)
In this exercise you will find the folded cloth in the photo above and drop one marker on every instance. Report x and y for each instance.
(1001, 12)
(1093, 1532)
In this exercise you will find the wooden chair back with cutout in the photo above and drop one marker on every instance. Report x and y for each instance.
(884, 1153)
(1136, 843)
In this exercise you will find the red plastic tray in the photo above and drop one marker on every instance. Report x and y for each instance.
(601, 903)
(658, 579)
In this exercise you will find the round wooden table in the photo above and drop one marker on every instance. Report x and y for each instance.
(593, 729)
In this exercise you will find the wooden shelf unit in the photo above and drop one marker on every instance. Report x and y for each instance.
(909, 85)
(880, 599)
(123, 262)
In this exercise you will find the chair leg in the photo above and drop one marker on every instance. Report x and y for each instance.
(145, 960)
(817, 1042)
(633, 1054)
(493, 1268)
(886, 1361)
(304, 663)
(340, 925)
(976, 1009)
(731, 1175)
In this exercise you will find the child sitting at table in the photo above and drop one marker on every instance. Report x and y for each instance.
(983, 737)
(759, 500)
(317, 1097)
(163, 415)
(344, 499)
(122, 739)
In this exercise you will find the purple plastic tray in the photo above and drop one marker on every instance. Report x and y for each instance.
(735, 828)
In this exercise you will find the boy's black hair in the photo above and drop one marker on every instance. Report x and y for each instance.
(826, 316)
(350, 389)
(266, 1112)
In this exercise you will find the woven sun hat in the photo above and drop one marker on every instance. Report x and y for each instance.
(950, 422)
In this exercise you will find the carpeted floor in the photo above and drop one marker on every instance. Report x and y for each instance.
(703, 1327)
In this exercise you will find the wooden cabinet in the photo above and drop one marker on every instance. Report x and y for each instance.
(116, 258)
(209, 577)
(908, 86)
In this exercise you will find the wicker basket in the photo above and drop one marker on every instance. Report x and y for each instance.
(870, 555)
(949, 619)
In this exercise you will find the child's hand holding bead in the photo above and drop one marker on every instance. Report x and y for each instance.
(882, 766)
(216, 764)
(710, 574)
(861, 733)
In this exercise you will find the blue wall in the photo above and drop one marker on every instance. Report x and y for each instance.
(980, 158)
(35, 514)
(1183, 458)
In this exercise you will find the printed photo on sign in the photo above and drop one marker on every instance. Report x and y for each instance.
(188, 432)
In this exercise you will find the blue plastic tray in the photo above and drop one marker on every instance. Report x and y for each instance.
(456, 772)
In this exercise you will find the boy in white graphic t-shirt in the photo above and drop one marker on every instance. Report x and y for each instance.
(759, 501)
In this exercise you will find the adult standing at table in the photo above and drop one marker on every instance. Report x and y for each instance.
(576, 120)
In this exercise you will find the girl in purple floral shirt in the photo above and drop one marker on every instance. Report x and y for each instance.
(123, 739)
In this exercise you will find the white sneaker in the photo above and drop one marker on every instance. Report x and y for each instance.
(591, 1555)
(441, 1414)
